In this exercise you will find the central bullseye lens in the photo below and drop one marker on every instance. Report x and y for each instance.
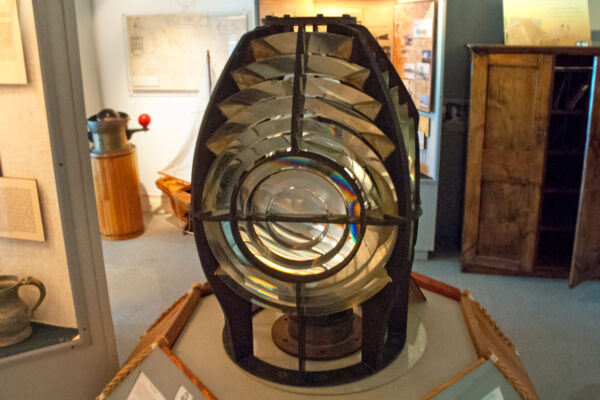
(303, 207)
(298, 202)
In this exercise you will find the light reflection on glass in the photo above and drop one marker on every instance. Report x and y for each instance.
(302, 214)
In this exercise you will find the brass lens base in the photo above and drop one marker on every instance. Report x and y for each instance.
(327, 338)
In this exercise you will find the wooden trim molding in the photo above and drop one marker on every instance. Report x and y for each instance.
(501, 48)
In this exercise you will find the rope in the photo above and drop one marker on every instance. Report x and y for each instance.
(160, 341)
(493, 323)
(513, 379)
(167, 311)
(130, 366)
(203, 288)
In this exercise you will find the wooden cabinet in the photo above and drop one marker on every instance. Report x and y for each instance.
(532, 196)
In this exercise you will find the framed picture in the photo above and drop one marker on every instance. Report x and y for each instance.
(544, 23)
(12, 62)
(414, 41)
(176, 52)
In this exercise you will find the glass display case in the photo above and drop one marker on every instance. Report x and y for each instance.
(54, 312)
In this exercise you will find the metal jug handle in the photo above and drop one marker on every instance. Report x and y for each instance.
(32, 281)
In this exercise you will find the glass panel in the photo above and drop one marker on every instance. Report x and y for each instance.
(274, 192)
(278, 108)
(329, 44)
(36, 302)
(313, 212)
(410, 144)
(485, 382)
(279, 66)
(314, 87)
(296, 186)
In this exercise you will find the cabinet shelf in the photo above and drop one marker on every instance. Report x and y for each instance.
(572, 69)
(566, 153)
(557, 228)
(568, 112)
(560, 190)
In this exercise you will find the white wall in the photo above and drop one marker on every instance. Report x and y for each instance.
(594, 14)
(87, 52)
(173, 116)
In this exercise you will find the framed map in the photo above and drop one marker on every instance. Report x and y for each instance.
(174, 52)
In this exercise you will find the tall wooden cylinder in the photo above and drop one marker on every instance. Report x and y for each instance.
(118, 199)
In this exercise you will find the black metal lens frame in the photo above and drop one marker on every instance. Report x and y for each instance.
(384, 316)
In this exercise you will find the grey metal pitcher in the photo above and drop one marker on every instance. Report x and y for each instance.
(15, 314)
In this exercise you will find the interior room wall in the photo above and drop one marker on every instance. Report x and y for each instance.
(594, 14)
(595, 21)
(87, 50)
(466, 22)
(173, 116)
(25, 153)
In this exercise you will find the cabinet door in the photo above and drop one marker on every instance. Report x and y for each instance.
(585, 263)
(507, 140)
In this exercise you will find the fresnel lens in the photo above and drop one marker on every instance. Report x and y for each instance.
(305, 197)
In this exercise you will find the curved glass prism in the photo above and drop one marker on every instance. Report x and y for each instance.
(314, 87)
(302, 217)
(324, 43)
(277, 67)
(334, 113)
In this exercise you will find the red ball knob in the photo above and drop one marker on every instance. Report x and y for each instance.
(144, 120)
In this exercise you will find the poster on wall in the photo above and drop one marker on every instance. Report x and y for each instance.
(12, 62)
(414, 39)
(547, 22)
(173, 52)
(20, 213)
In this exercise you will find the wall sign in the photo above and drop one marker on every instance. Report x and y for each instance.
(547, 22)
(414, 39)
(20, 215)
(168, 52)
(12, 62)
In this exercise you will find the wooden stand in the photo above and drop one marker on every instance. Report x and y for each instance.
(118, 197)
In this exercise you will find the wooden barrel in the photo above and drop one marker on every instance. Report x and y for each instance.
(118, 197)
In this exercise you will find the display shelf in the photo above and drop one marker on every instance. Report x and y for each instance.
(42, 335)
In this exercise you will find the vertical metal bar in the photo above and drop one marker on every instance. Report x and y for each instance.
(301, 330)
(298, 90)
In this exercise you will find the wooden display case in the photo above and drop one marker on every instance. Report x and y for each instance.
(533, 144)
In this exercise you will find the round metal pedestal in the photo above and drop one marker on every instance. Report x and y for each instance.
(448, 351)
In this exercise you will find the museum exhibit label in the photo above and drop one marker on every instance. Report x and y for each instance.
(547, 23)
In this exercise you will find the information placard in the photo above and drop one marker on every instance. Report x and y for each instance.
(20, 214)
(12, 62)
(547, 22)
(414, 38)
